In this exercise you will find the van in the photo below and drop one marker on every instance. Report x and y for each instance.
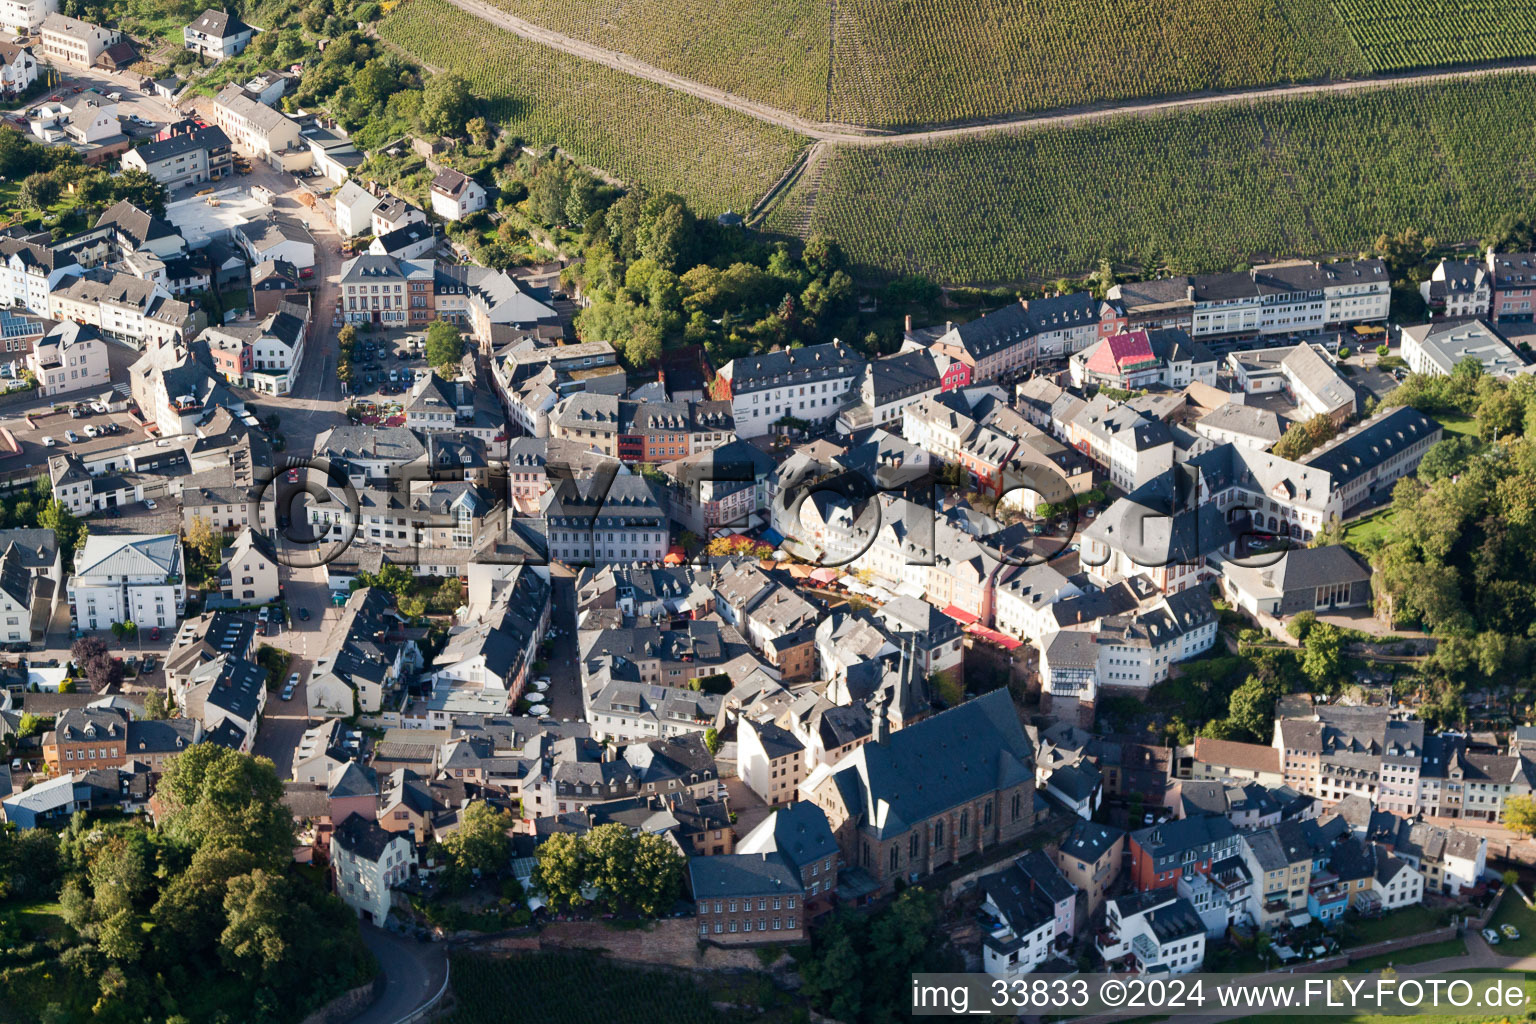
(115, 97)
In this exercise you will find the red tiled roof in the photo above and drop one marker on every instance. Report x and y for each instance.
(1251, 757)
(1121, 351)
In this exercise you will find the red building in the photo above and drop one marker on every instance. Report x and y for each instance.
(1163, 853)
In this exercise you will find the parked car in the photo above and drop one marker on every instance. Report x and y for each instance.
(264, 614)
(149, 664)
(99, 407)
(1490, 936)
(149, 503)
(49, 442)
(73, 437)
(304, 614)
(92, 431)
(1510, 932)
(154, 634)
(287, 693)
(74, 412)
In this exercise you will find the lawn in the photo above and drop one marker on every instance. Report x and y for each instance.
(1512, 910)
(42, 920)
(1457, 424)
(1415, 955)
(1207, 190)
(1408, 921)
(1366, 533)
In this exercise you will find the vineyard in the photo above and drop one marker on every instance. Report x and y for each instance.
(632, 130)
(553, 988)
(1189, 191)
(902, 62)
(774, 53)
(1397, 34)
(924, 63)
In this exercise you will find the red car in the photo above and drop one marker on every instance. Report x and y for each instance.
(293, 476)
(154, 634)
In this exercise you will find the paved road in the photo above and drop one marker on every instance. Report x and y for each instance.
(284, 722)
(564, 671)
(413, 973)
(855, 135)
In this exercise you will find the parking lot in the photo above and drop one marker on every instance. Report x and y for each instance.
(390, 366)
(35, 430)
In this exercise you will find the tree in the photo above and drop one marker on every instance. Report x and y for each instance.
(656, 875)
(155, 706)
(712, 740)
(217, 797)
(444, 343)
(39, 191)
(121, 936)
(608, 857)
(413, 606)
(561, 867)
(260, 907)
(30, 725)
(445, 104)
(66, 526)
(191, 906)
(1301, 624)
(480, 843)
(1252, 707)
(1520, 815)
(138, 188)
(1510, 877)
(1322, 658)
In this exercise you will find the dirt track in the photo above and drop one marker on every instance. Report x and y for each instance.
(855, 135)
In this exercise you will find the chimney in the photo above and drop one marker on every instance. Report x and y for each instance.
(909, 321)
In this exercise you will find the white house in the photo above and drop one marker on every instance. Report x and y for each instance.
(129, 577)
(366, 863)
(254, 128)
(771, 761)
(250, 571)
(18, 66)
(1022, 604)
(72, 41)
(29, 273)
(70, 357)
(1153, 931)
(26, 16)
(809, 383)
(455, 195)
(218, 34)
(354, 209)
(1436, 348)
(1397, 883)
(277, 238)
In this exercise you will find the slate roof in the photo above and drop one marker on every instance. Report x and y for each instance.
(186, 142)
(1372, 443)
(1088, 840)
(363, 837)
(219, 24)
(934, 765)
(798, 832)
(742, 874)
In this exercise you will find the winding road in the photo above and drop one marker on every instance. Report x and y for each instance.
(855, 135)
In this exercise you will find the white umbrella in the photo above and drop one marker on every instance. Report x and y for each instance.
(538, 710)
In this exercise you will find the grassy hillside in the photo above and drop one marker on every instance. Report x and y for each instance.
(1190, 191)
(637, 132)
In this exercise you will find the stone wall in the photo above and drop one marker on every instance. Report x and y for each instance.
(673, 942)
(347, 1005)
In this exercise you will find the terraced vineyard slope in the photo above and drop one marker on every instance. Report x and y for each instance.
(1197, 190)
(636, 131)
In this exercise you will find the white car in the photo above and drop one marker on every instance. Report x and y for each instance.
(92, 430)
(293, 681)
(49, 442)
(1490, 936)
(149, 503)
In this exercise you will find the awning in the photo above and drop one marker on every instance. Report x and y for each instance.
(1002, 640)
(825, 575)
(853, 586)
(880, 594)
(1300, 919)
(910, 589)
(772, 536)
(959, 614)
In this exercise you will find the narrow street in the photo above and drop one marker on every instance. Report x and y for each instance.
(564, 697)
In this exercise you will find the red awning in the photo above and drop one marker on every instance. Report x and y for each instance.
(959, 613)
(1003, 640)
(825, 575)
